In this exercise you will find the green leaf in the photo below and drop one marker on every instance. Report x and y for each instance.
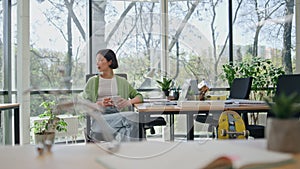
(165, 84)
(284, 106)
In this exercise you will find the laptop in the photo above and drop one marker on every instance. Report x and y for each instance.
(188, 85)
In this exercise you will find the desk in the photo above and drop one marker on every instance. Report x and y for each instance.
(79, 156)
(16, 108)
(147, 109)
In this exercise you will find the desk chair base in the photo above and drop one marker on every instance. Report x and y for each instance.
(208, 119)
(256, 131)
(154, 121)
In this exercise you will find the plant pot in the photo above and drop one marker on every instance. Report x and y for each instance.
(166, 93)
(176, 95)
(41, 138)
(283, 135)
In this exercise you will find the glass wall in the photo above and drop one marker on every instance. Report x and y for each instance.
(265, 29)
(197, 39)
(132, 30)
(58, 47)
(58, 43)
(1, 72)
(58, 53)
(198, 32)
(264, 40)
(1, 54)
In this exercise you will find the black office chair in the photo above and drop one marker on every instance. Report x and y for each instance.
(288, 84)
(150, 121)
(240, 89)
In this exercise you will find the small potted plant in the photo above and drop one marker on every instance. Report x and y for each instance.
(165, 85)
(282, 130)
(45, 128)
(176, 91)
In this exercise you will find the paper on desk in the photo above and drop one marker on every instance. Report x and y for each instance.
(187, 155)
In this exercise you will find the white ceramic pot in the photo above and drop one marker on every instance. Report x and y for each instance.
(283, 135)
(41, 138)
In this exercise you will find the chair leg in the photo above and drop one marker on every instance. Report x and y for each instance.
(152, 130)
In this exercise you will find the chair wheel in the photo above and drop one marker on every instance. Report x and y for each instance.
(152, 131)
(246, 133)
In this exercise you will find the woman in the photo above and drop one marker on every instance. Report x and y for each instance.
(114, 94)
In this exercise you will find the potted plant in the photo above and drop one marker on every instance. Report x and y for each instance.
(265, 76)
(165, 85)
(176, 91)
(264, 72)
(45, 128)
(282, 130)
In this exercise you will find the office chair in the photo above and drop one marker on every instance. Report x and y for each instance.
(240, 89)
(288, 84)
(149, 124)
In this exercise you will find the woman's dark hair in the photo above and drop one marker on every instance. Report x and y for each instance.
(109, 56)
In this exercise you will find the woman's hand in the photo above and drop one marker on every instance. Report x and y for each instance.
(106, 102)
(122, 103)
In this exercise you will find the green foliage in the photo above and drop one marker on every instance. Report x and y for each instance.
(284, 106)
(165, 84)
(39, 127)
(51, 123)
(176, 89)
(264, 73)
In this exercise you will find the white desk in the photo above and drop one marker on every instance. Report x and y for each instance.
(81, 156)
(72, 156)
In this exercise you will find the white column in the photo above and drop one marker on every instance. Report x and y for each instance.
(164, 37)
(98, 30)
(297, 36)
(23, 68)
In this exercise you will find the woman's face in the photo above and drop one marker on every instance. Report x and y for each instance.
(102, 63)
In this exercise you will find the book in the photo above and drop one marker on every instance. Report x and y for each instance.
(209, 154)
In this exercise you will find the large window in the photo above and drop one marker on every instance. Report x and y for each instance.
(197, 39)
(58, 44)
(132, 30)
(58, 47)
(265, 29)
